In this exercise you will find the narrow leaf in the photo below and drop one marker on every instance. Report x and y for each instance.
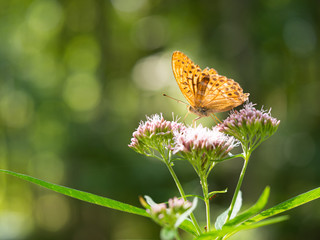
(228, 231)
(237, 205)
(287, 205)
(258, 224)
(230, 156)
(150, 201)
(221, 219)
(193, 195)
(211, 194)
(95, 199)
(84, 196)
(257, 207)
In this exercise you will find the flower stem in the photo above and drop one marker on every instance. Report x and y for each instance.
(204, 184)
(177, 235)
(183, 195)
(246, 157)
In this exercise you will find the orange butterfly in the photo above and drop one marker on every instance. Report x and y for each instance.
(206, 91)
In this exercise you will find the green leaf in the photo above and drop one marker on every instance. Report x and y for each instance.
(188, 226)
(257, 225)
(193, 195)
(287, 205)
(95, 199)
(150, 201)
(237, 205)
(230, 156)
(168, 234)
(257, 207)
(221, 219)
(211, 194)
(228, 231)
(84, 196)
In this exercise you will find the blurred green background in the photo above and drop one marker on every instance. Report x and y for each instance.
(77, 76)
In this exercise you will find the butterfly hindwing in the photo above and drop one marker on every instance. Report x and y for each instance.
(223, 94)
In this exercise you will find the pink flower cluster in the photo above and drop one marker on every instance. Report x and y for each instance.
(249, 115)
(154, 133)
(176, 203)
(202, 140)
(158, 210)
(250, 123)
(170, 213)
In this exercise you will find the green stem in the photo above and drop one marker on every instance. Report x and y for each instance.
(204, 184)
(243, 171)
(183, 195)
(177, 235)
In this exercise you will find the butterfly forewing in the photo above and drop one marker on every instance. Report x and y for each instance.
(209, 71)
(186, 74)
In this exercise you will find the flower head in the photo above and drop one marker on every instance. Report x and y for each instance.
(170, 215)
(155, 134)
(250, 126)
(202, 146)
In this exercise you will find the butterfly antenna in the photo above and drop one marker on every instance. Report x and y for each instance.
(179, 101)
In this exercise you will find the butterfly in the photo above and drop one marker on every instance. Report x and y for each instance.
(206, 91)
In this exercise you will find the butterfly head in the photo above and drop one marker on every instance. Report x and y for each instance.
(200, 111)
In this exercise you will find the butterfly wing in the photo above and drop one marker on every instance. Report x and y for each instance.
(186, 74)
(209, 71)
(219, 94)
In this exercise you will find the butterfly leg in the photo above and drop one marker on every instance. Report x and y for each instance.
(194, 121)
(215, 118)
(185, 117)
